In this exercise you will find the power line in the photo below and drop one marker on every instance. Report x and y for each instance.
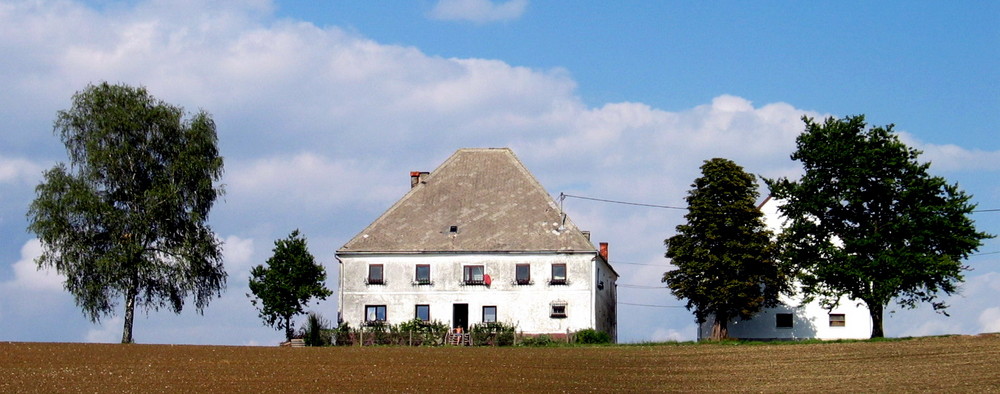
(640, 286)
(562, 196)
(652, 306)
(649, 265)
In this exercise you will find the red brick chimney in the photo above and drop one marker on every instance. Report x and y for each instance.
(416, 177)
(604, 250)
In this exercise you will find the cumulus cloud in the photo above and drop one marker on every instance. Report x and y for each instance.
(108, 331)
(479, 11)
(18, 171)
(990, 320)
(28, 276)
(952, 158)
(665, 335)
(238, 253)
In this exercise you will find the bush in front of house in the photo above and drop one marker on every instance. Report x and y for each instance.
(409, 333)
(493, 334)
(592, 336)
(540, 340)
(316, 331)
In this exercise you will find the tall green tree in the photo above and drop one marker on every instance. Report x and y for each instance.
(126, 219)
(282, 289)
(724, 254)
(867, 221)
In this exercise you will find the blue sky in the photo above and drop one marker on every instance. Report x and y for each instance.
(324, 107)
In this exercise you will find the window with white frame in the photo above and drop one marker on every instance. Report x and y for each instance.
(558, 309)
(838, 320)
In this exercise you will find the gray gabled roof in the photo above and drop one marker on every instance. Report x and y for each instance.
(489, 197)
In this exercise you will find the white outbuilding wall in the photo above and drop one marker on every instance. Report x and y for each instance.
(849, 320)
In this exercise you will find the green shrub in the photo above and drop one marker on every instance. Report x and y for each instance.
(592, 336)
(541, 340)
(316, 331)
(493, 334)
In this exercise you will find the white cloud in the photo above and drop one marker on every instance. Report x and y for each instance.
(951, 158)
(108, 331)
(238, 254)
(990, 320)
(665, 335)
(19, 171)
(479, 11)
(28, 276)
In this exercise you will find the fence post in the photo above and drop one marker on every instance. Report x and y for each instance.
(362, 342)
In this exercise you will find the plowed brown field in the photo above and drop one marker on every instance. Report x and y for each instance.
(959, 363)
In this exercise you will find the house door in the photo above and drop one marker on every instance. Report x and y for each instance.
(460, 316)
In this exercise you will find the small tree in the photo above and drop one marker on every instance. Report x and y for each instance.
(724, 253)
(282, 289)
(867, 221)
(127, 217)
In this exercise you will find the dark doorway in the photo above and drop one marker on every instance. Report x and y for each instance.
(460, 316)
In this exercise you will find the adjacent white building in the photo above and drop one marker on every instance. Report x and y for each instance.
(478, 240)
(794, 320)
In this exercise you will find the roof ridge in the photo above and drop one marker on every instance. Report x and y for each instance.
(479, 199)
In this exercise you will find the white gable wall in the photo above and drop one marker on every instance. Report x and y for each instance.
(809, 321)
(527, 306)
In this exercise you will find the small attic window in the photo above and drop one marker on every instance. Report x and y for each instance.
(453, 229)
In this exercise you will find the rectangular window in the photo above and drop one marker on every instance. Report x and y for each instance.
(423, 312)
(558, 274)
(489, 314)
(558, 310)
(523, 274)
(838, 320)
(473, 274)
(783, 320)
(423, 274)
(374, 313)
(375, 274)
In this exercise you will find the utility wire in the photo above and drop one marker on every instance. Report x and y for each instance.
(652, 306)
(562, 196)
(641, 286)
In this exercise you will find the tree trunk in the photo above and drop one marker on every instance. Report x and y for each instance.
(875, 310)
(288, 328)
(720, 328)
(129, 315)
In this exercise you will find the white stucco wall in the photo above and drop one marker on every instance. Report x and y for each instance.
(527, 306)
(809, 320)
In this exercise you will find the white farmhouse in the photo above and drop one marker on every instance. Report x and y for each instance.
(794, 320)
(478, 240)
